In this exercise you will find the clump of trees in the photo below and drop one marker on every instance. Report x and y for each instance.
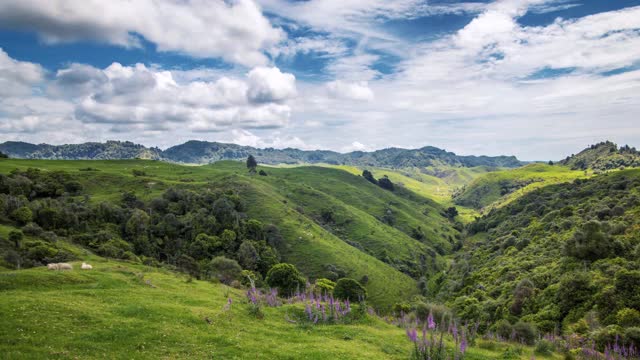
(3, 155)
(383, 182)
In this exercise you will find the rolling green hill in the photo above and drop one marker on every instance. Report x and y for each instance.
(330, 220)
(125, 310)
(498, 188)
(604, 156)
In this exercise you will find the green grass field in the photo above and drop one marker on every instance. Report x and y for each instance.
(496, 189)
(121, 310)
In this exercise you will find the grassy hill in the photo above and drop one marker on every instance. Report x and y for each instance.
(326, 216)
(124, 310)
(604, 156)
(496, 189)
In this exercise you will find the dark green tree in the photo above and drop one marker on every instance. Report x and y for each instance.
(251, 164)
(369, 176)
(349, 289)
(3, 155)
(225, 270)
(385, 183)
(286, 278)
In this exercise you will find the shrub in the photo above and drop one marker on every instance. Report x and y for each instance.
(286, 278)
(632, 335)
(325, 286)
(525, 332)
(628, 317)
(22, 215)
(225, 270)
(349, 289)
(544, 347)
(504, 329)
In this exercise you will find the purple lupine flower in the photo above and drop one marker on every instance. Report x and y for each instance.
(324, 313)
(315, 319)
(454, 331)
(430, 323)
(412, 334)
(463, 344)
(308, 311)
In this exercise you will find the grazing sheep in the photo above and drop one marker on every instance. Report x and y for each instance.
(64, 266)
(52, 266)
(86, 266)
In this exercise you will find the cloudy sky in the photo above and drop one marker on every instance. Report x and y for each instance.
(539, 79)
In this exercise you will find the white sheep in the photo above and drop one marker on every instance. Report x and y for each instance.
(86, 266)
(53, 266)
(64, 266)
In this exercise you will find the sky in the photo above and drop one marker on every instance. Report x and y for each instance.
(539, 79)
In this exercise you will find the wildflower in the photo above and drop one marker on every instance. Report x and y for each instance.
(412, 334)
(463, 344)
(430, 323)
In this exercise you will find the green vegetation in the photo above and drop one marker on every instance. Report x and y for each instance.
(604, 156)
(496, 189)
(562, 258)
(225, 262)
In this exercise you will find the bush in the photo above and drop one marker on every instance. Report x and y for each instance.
(544, 347)
(22, 215)
(349, 289)
(286, 278)
(525, 332)
(324, 286)
(628, 317)
(504, 329)
(225, 270)
(632, 335)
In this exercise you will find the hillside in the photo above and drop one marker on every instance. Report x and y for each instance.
(202, 152)
(563, 257)
(125, 310)
(331, 223)
(498, 188)
(604, 156)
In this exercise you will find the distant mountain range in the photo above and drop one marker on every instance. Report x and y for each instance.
(202, 152)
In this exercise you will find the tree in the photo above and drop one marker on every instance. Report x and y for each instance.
(252, 164)
(385, 183)
(23, 215)
(3, 155)
(262, 173)
(248, 256)
(369, 176)
(286, 278)
(225, 270)
(349, 289)
(589, 243)
(16, 236)
(451, 212)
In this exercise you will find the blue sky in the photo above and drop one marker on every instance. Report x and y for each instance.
(539, 79)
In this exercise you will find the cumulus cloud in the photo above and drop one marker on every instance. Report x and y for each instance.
(236, 31)
(348, 90)
(120, 99)
(270, 85)
(276, 140)
(18, 77)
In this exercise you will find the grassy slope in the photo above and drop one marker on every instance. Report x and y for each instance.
(111, 312)
(485, 191)
(429, 186)
(309, 246)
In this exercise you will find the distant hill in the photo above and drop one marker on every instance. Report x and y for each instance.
(110, 150)
(202, 152)
(604, 156)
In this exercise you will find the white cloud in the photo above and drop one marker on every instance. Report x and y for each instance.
(18, 77)
(270, 85)
(277, 141)
(355, 146)
(236, 30)
(347, 90)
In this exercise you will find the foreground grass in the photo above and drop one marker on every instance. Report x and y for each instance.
(127, 311)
